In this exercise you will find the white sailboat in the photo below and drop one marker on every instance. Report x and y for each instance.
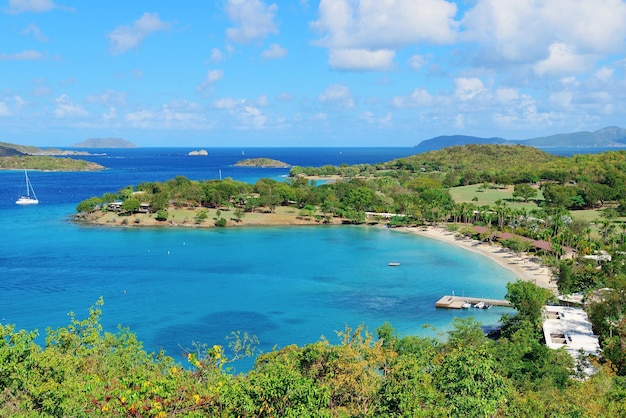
(30, 198)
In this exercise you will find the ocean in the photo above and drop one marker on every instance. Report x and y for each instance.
(174, 287)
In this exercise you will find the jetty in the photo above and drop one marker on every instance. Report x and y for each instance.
(457, 302)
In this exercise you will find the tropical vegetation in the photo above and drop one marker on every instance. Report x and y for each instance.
(389, 375)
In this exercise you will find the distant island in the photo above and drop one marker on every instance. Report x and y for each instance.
(105, 143)
(261, 163)
(201, 152)
(608, 137)
(21, 157)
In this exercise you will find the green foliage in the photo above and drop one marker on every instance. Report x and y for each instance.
(221, 222)
(89, 205)
(130, 205)
(528, 299)
(524, 191)
(162, 215)
(47, 163)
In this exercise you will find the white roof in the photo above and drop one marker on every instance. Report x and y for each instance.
(570, 328)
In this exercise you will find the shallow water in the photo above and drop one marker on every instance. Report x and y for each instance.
(172, 287)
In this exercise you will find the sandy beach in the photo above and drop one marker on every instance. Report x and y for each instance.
(525, 267)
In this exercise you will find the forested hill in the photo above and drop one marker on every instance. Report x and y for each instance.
(480, 158)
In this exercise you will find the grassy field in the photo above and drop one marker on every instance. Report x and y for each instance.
(489, 196)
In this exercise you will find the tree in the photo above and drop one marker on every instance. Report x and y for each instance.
(130, 205)
(528, 299)
(524, 191)
(89, 205)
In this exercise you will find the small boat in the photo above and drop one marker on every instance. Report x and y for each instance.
(30, 198)
(466, 305)
(393, 264)
(480, 305)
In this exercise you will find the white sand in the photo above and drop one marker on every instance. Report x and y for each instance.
(523, 265)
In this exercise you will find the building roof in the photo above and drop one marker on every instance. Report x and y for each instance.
(570, 328)
(536, 243)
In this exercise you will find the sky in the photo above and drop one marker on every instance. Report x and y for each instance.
(302, 73)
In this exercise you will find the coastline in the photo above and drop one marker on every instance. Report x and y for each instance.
(524, 266)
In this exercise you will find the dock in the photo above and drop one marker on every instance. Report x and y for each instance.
(456, 302)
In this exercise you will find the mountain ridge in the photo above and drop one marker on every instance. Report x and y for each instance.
(105, 143)
(610, 136)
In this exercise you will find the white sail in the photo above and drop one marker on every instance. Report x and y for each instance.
(30, 198)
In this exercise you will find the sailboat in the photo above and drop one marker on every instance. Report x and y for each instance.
(30, 198)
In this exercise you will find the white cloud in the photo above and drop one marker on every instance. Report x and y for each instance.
(383, 25)
(216, 55)
(254, 20)
(370, 117)
(274, 51)
(361, 59)
(33, 30)
(228, 103)
(34, 6)
(604, 74)
(468, 88)
(417, 62)
(553, 36)
(29, 55)
(110, 115)
(417, 98)
(209, 81)
(66, 109)
(563, 60)
(124, 38)
(338, 97)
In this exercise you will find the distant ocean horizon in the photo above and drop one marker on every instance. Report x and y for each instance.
(176, 286)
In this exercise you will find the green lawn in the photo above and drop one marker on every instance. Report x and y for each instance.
(489, 196)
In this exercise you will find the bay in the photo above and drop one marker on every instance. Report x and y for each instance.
(173, 287)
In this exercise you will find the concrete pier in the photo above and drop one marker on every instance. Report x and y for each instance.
(457, 302)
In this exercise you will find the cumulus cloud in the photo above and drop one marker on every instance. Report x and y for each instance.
(371, 118)
(274, 51)
(361, 59)
(562, 59)
(34, 6)
(124, 38)
(212, 77)
(550, 36)
(216, 55)
(367, 25)
(417, 98)
(338, 97)
(29, 55)
(253, 19)
(468, 88)
(417, 62)
(66, 109)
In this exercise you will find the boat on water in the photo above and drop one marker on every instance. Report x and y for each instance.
(393, 264)
(480, 305)
(30, 198)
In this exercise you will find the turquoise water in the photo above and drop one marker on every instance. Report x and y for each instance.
(173, 287)
(285, 285)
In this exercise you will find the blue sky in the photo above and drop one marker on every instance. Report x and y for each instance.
(308, 73)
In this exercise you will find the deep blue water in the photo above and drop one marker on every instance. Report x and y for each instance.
(173, 287)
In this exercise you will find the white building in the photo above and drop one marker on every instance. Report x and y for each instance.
(568, 327)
